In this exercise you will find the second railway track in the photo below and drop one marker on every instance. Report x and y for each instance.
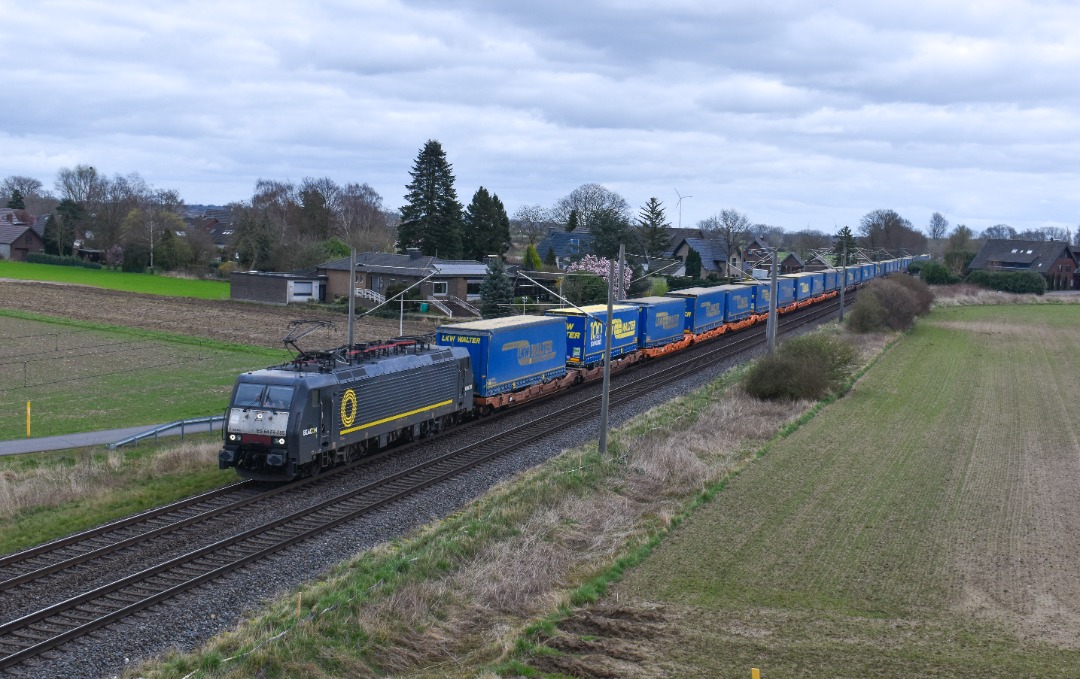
(51, 626)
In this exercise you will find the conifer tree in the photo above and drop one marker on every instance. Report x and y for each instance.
(844, 237)
(652, 228)
(693, 264)
(496, 290)
(486, 226)
(532, 259)
(432, 219)
(550, 258)
(16, 202)
(572, 221)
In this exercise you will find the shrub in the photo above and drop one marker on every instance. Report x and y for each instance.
(924, 297)
(806, 367)
(57, 260)
(1019, 282)
(900, 304)
(915, 267)
(867, 315)
(658, 286)
(933, 273)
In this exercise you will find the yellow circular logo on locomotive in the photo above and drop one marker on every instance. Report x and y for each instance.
(348, 407)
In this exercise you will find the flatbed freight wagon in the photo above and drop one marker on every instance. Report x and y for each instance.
(510, 353)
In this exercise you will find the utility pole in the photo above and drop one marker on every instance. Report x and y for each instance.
(352, 298)
(622, 263)
(843, 283)
(605, 394)
(773, 320)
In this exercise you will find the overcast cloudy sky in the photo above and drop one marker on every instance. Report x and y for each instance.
(795, 113)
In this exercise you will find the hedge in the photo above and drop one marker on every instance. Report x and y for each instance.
(42, 258)
(1009, 281)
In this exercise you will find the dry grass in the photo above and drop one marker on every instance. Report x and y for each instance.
(94, 474)
(963, 294)
(555, 535)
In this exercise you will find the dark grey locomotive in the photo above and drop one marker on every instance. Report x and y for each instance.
(324, 408)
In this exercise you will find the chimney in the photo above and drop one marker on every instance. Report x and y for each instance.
(413, 253)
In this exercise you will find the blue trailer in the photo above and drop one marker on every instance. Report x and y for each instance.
(705, 308)
(740, 302)
(832, 279)
(509, 353)
(785, 292)
(867, 272)
(660, 321)
(808, 284)
(760, 291)
(585, 331)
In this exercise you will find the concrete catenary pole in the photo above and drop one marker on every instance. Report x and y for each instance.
(843, 282)
(352, 298)
(605, 394)
(770, 328)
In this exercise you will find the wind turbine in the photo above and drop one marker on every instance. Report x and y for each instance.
(679, 205)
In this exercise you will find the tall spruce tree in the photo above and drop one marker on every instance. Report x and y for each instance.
(609, 228)
(652, 228)
(843, 238)
(693, 263)
(486, 227)
(16, 202)
(496, 290)
(432, 218)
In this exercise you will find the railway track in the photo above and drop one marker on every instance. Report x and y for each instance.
(49, 627)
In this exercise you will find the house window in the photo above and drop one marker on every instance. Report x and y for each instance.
(574, 245)
(438, 288)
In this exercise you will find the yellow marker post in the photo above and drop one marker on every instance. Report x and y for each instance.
(755, 673)
(28, 419)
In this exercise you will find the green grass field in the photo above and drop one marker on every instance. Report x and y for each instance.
(84, 377)
(116, 280)
(921, 526)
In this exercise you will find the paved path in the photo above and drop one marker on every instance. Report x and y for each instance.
(92, 438)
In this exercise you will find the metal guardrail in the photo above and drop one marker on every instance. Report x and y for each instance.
(182, 425)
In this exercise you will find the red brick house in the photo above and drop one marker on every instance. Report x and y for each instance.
(1054, 260)
(18, 238)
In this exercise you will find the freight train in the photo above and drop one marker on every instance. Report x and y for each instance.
(325, 408)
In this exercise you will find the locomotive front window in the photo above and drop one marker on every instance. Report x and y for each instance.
(248, 396)
(263, 396)
(279, 397)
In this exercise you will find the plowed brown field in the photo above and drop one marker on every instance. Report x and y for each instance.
(225, 321)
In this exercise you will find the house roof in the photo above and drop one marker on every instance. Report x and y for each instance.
(565, 244)
(406, 265)
(791, 255)
(1030, 255)
(675, 239)
(9, 233)
(713, 253)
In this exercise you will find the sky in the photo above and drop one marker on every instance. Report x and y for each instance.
(797, 114)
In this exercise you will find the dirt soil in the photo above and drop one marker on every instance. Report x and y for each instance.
(221, 320)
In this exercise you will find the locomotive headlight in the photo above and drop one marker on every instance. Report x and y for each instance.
(281, 442)
(234, 437)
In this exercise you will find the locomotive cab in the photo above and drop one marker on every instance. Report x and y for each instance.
(269, 415)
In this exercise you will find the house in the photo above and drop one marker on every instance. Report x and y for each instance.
(1055, 260)
(675, 239)
(714, 256)
(567, 245)
(451, 285)
(18, 235)
(791, 264)
(277, 288)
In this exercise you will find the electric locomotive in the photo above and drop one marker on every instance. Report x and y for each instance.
(329, 407)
